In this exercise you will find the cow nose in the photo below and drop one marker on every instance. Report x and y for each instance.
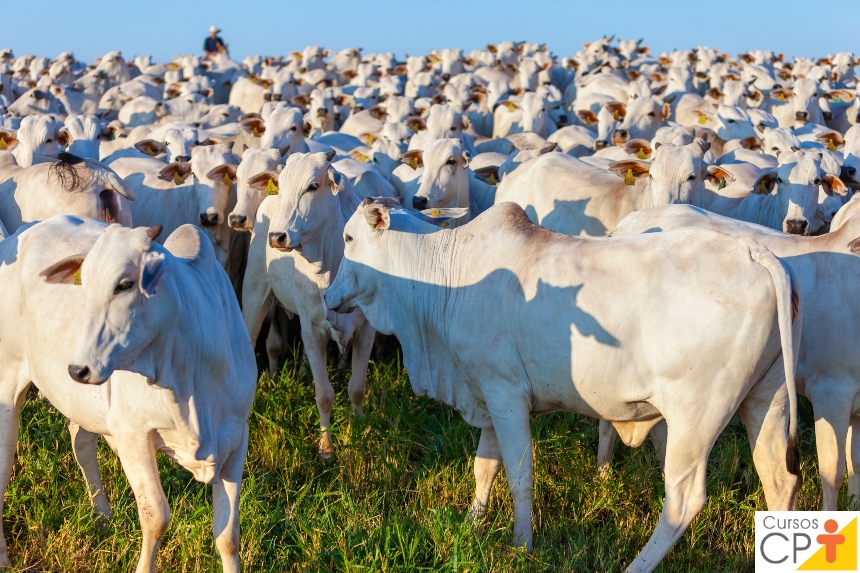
(419, 202)
(302, 70)
(358, 108)
(802, 115)
(562, 119)
(600, 144)
(182, 159)
(321, 112)
(79, 373)
(446, 77)
(828, 116)
(237, 221)
(278, 240)
(276, 97)
(208, 219)
(797, 226)
(267, 97)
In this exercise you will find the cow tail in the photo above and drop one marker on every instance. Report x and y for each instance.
(789, 312)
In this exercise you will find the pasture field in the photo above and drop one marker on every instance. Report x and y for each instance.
(394, 499)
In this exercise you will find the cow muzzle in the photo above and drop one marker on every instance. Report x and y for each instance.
(600, 144)
(209, 219)
(182, 159)
(419, 203)
(237, 221)
(81, 374)
(796, 227)
(620, 137)
(281, 241)
(802, 116)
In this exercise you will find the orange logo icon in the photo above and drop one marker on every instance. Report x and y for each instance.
(838, 551)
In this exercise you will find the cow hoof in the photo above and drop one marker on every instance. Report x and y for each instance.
(325, 456)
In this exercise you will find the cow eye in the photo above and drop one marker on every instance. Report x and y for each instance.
(347, 238)
(313, 186)
(123, 285)
(730, 121)
(293, 128)
(691, 177)
(817, 182)
(49, 140)
(451, 161)
(651, 113)
(774, 149)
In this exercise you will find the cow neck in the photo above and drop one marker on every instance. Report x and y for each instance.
(642, 196)
(9, 167)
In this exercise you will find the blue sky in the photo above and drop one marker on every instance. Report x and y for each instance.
(164, 28)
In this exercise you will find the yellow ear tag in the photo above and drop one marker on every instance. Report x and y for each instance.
(491, 180)
(616, 116)
(415, 127)
(177, 179)
(782, 98)
(763, 188)
(150, 151)
(512, 108)
(362, 158)
(414, 163)
(271, 188)
(257, 133)
(444, 224)
(369, 139)
(77, 277)
(3, 145)
(703, 118)
(641, 153)
(227, 180)
(629, 179)
(434, 212)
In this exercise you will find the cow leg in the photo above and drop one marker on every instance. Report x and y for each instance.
(605, 446)
(362, 346)
(10, 419)
(315, 346)
(488, 462)
(853, 453)
(225, 505)
(764, 412)
(137, 455)
(256, 294)
(831, 404)
(687, 451)
(274, 343)
(515, 444)
(658, 435)
(85, 447)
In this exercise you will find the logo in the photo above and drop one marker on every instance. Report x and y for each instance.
(806, 541)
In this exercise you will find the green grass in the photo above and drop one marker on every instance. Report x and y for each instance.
(394, 499)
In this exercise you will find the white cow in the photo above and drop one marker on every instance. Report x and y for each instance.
(296, 249)
(572, 197)
(146, 309)
(825, 271)
(574, 335)
(69, 184)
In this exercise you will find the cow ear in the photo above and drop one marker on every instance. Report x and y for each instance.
(359, 156)
(225, 173)
(66, 271)
(413, 158)
(178, 172)
(63, 137)
(765, 184)
(587, 116)
(489, 174)
(718, 175)
(466, 158)
(833, 185)
(151, 272)
(416, 124)
(150, 147)
(337, 181)
(8, 138)
(832, 140)
(751, 142)
(284, 150)
(377, 217)
(630, 169)
(266, 181)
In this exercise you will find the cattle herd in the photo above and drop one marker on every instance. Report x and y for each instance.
(656, 241)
